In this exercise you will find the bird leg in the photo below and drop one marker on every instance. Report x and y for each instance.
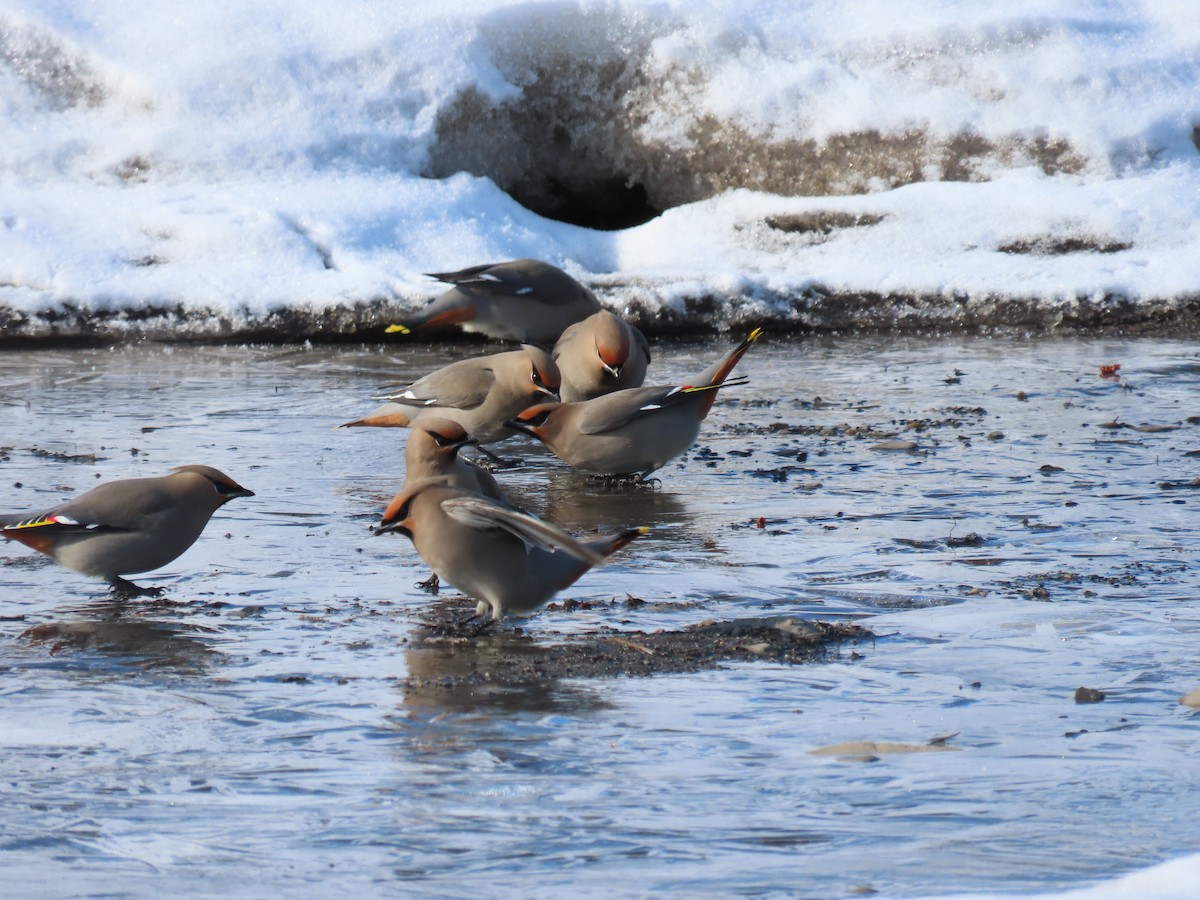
(475, 625)
(123, 589)
(431, 585)
(633, 479)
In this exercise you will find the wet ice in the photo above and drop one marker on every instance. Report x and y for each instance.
(269, 712)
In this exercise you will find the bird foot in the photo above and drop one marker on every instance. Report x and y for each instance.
(430, 585)
(634, 479)
(125, 590)
(475, 625)
(472, 626)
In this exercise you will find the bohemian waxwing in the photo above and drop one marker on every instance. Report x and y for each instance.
(432, 452)
(630, 432)
(521, 300)
(599, 355)
(125, 527)
(480, 394)
(506, 559)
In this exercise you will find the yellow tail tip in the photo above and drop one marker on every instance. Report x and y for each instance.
(755, 334)
(396, 329)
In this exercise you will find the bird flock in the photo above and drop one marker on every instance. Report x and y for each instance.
(575, 385)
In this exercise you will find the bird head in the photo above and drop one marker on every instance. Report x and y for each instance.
(396, 516)
(544, 375)
(447, 436)
(612, 343)
(532, 421)
(225, 487)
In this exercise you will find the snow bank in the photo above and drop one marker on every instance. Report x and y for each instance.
(223, 170)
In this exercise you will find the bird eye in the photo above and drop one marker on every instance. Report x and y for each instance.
(536, 377)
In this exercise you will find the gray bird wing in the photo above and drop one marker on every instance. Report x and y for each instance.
(480, 512)
(118, 505)
(471, 273)
(525, 278)
(104, 508)
(506, 279)
(457, 386)
(52, 521)
(618, 409)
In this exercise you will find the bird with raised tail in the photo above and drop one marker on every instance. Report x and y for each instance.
(635, 431)
(507, 560)
(126, 527)
(523, 300)
(480, 394)
(599, 355)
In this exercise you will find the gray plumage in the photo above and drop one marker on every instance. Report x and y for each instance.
(432, 452)
(599, 355)
(634, 431)
(506, 559)
(126, 527)
(480, 394)
(520, 300)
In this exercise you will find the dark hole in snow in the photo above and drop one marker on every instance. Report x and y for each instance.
(561, 157)
(607, 205)
(589, 124)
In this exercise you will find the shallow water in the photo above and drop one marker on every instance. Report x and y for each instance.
(260, 735)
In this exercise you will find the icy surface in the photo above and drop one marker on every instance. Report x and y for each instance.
(262, 734)
(293, 168)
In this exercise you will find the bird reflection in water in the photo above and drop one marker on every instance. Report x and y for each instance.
(501, 671)
(123, 634)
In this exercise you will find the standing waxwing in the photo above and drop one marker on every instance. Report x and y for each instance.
(432, 452)
(480, 394)
(521, 300)
(125, 527)
(507, 560)
(599, 355)
(630, 432)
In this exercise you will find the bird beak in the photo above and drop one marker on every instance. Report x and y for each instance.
(398, 526)
(523, 427)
